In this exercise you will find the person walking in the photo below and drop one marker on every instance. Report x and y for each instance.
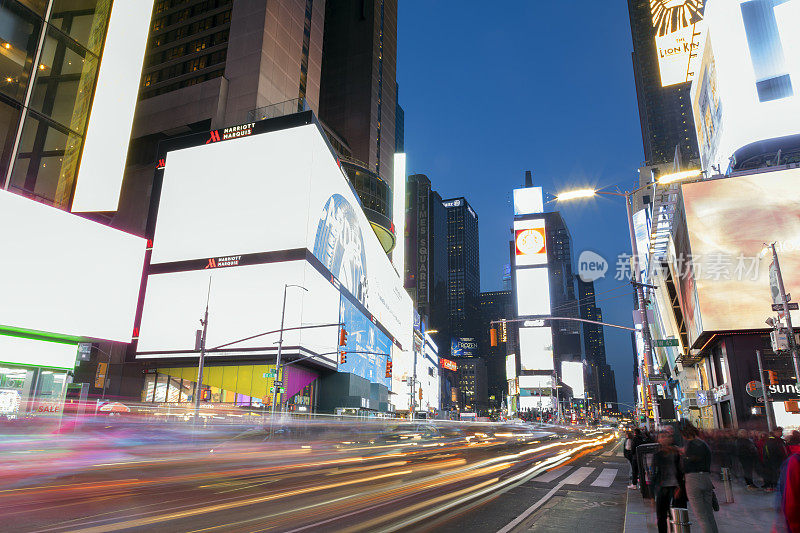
(775, 453)
(697, 474)
(747, 453)
(631, 442)
(790, 494)
(668, 482)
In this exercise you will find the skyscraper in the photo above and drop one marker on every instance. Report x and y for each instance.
(601, 382)
(358, 90)
(665, 109)
(463, 272)
(496, 305)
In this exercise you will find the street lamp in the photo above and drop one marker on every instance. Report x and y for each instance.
(637, 281)
(280, 346)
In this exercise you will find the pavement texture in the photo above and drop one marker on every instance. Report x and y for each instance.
(752, 511)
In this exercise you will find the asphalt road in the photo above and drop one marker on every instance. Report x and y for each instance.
(478, 481)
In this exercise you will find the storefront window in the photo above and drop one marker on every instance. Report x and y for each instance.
(26, 390)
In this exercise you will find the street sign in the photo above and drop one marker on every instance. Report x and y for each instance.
(100, 375)
(754, 389)
(84, 351)
(268, 375)
(278, 383)
(280, 389)
(663, 343)
(793, 306)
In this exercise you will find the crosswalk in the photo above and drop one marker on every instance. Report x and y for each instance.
(570, 475)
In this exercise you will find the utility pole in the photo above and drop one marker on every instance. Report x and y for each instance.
(278, 375)
(199, 387)
(765, 387)
(785, 301)
(650, 393)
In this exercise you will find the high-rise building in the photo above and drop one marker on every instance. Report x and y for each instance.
(463, 273)
(601, 382)
(399, 125)
(426, 257)
(496, 305)
(472, 385)
(358, 90)
(665, 109)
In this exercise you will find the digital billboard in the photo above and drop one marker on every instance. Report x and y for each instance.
(22, 351)
(105, 147)
(447, 364)
(463, 347)
(536, 348)
(299, 206)
(528, 201)
(529, 240)
(536, 382)
(750, 77)
(572, 375)
(533, 291)
(678, 27)
(728, 222)
(511, 366)
(82, 278)
(368, 349)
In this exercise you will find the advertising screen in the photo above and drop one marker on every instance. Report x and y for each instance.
(105, 148)
(511, 366)
(528, 201)
(536, 382)
(572, 375)
(678, 34)
(463, 347)
(536, 348)
(82, 278)
(750, 77)
(529, 239)
(298, 203)
(533, 291)
(21, 351)
(363, 336)
(447, 364)
(728, 221)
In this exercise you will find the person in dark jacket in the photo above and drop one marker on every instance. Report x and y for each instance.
(632, 441)
(668, 485)
(775, 453)
(697, 475)
(747, 453)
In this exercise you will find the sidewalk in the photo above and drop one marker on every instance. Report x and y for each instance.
(751, 511)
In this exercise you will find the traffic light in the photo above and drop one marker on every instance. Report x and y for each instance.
(342, 357)
(389, 367)
(342, 337)
(420, 394)
(493, 337)
(772, 379)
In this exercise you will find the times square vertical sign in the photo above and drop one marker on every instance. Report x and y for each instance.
(678, 27)
(423, 234)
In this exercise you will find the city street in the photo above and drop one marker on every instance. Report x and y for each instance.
(489, 478)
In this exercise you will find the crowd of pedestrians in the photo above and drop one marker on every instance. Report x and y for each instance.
(679, 470)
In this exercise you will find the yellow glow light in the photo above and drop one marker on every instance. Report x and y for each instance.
(577, 193)
(679, 176)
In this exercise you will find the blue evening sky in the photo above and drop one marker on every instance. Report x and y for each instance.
(491, 89)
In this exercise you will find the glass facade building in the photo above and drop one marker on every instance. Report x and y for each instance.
(49, 57)
(463, 272)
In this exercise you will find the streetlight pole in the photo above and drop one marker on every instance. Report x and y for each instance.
(785, 301)
(199, 386)
(278, 376)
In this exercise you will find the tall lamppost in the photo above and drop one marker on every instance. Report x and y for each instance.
(278, 375)
(637, 281)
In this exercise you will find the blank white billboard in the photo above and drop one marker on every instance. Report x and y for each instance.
(21, 351)
(536, 402)
(572, 375)
(273, 192)
(105, 147)
(748, 85)
(528, 201)
(535, 382)
(536, 348)
(533, 291)
(65, 275)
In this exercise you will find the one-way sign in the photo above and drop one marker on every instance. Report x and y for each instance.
(793, 306)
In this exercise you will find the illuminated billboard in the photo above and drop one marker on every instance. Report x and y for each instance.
(105, 147)
(463, 347)
(678, 26)
(528, 201)
(728, 221)
(529, 241)
(511, 366)
(536, 348)
(572, 375)
(82, 278)
(22, 351)
(749, 78)
(533, 291)
(447, 364)
(368, 348)
(299, 222)
(536, 382)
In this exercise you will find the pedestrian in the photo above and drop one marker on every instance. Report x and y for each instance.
(775, 453)
(790, 494)
(668, 482)
(794, 442)
(631, 442)
(748, 455)
(697, 474)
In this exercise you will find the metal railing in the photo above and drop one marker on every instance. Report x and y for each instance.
(289, 107)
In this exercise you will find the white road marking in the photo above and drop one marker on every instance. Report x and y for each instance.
(579, 475)
(552, 475)
(606, 477)
(530, 510)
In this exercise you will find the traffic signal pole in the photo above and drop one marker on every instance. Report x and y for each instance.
(785, 301)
